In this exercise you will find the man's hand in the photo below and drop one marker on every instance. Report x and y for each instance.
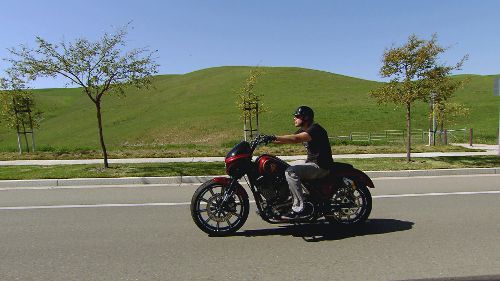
(268, 139)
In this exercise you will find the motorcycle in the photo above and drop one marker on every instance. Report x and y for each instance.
(221, 205)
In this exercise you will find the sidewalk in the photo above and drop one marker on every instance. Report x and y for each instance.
(490, 150)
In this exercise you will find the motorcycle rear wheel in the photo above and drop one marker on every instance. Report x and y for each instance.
(350, 206)
(212, 216)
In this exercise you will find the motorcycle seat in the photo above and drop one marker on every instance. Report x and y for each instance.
(337, 166)
(334, 170)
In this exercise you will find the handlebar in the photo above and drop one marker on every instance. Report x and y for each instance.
(254, 143)
(259, 139)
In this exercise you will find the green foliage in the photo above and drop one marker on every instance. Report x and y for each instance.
(415, 73)
(249, 102)
(15, 97)
(448, 113)
(99, 67)
(445, 111)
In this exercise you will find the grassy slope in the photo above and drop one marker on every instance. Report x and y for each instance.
(199, 108)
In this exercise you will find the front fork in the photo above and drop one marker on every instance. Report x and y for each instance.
(229, 191)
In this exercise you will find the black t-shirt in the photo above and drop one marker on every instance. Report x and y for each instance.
(318, 148)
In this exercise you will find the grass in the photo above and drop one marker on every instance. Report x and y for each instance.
(456, 162)
(217, 168)
(198, 110)
(115, 171)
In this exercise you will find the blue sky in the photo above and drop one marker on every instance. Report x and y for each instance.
(345, 37)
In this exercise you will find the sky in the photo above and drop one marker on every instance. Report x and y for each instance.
(344, 37)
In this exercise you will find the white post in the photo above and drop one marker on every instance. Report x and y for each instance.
(19, 143)
(496, 92)
(245, 129)
(434, 127)
(498, 128)
(430, 138)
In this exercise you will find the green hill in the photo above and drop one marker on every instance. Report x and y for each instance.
(199, 108)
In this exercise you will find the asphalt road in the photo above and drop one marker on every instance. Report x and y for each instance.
(430, 227)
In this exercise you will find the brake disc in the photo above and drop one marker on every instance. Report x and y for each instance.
(218, 213)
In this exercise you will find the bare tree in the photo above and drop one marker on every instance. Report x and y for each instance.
(250, 103)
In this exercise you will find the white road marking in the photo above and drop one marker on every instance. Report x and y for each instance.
(187, 203)
(375, 179)
(92, 206)
(438, 194)
(92, 187)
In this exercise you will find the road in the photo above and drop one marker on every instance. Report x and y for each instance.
(429, 227)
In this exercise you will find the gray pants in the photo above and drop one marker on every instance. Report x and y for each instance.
(301, 171)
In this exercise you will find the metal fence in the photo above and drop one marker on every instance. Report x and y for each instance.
(396, 136)
(451, 135)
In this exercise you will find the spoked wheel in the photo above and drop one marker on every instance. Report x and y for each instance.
(350, 205)
(215, 217)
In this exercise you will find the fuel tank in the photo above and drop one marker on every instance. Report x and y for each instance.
(271, 166)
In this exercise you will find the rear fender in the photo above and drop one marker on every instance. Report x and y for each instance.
(358, 175)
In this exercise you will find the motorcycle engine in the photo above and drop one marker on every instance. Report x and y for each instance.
(273, 189)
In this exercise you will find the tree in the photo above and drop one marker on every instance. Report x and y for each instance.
(414, 73)
(17, 106)
(445, 88)
(100, 68)
(447, 113)
(249, 102)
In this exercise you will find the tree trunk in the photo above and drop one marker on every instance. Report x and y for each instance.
(408, 132)
(101, 136)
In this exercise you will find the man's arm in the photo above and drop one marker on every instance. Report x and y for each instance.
(297, 138)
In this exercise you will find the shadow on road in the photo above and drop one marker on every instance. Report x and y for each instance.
(326, 232)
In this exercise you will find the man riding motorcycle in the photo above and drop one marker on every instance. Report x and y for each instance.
(319, 158)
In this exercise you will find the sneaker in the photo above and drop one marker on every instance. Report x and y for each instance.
(292, 216)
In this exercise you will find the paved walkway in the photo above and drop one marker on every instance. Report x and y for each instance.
(479, 146)
(489, 150)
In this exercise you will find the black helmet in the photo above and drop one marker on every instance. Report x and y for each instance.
(305, 112)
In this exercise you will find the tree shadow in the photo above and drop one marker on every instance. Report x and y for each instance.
(330, 232)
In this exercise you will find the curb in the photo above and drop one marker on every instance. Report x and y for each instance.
(200, 179)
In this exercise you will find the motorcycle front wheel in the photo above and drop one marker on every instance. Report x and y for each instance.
(215, 217)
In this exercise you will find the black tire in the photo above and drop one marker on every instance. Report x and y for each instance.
(236, 209)
(346, 216)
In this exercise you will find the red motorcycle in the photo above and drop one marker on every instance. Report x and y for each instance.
(220, 206)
